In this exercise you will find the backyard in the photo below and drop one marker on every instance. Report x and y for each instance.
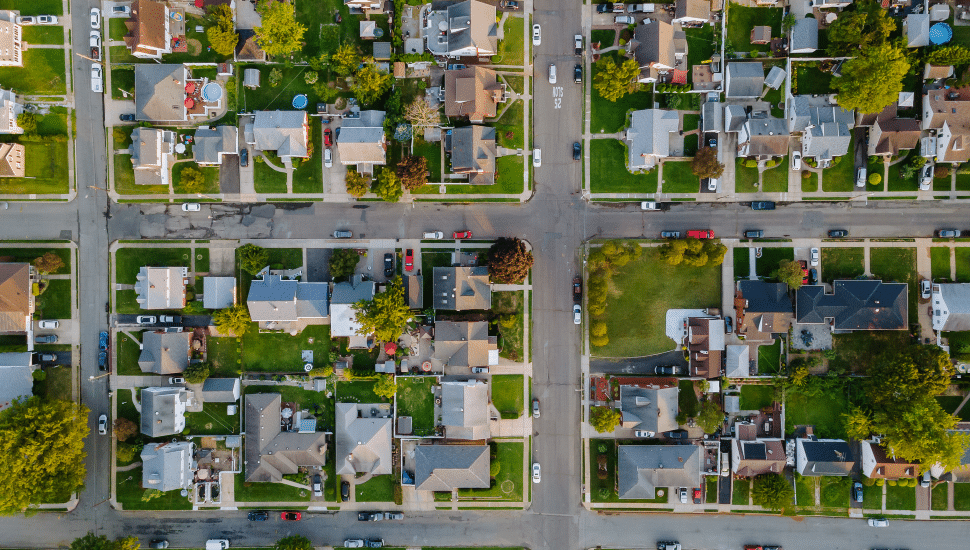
(316, 402)
(810, 80)
(823, 411)
(415, 399)
(507, 395)
(757, 397)
(212, 420)
(608, 173)
(741, 19)
(857, 351)
(769, 358)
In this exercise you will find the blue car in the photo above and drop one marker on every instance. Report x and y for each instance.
(102, 360)
(103, 340)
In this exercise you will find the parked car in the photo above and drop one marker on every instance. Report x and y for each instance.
(26, 20)
(96, 85)
(676, 434)
(683, 495)
(925, 288)
(244, 157)
(394, 515)
(95, 18)
(374, 543)
(578, 289)
(578, 43)
(103, 424)
(812, 276)
(46, 19)
(926, 177)
(536, 35)
(697, 495)
(649, 205)
(577, 150)
(701, 234)
(624, 20)
(51, 324)
(461, 235)
(146, 320)
(343, 234)
(102, 361)
(479, 370)
(712, 184)
(344, 491)
(258, 516)
(762, 205)
(838, 233)
(536, 476)
(409, 259)
(860, 178)
(173, 380)
(925, 482)
(46, 339)
(317, 486)
(327, 137)
(577, 314)
(169, 319)
(604, 8)
(354, 543)
(552, 73)
(95, 43)
(47, 357)
(388, 265)
(796, 161)
(103, 340)
(668, 545)
(191, 207)
(814, 256)
(328, 158)
(578, 74)
(948, 233)
(121, 10)
(754, 234)
(712, 142)
(535, 408)
(536, 157)
(643, 433)
(670, 234)
(509, 4)
(127, 117)
(878, 522)
(291, 516)
(727, 325)
(668, 370)
(857, 491)
(158, 544)
(804, 265)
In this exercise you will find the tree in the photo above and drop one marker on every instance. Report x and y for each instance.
(280, 33)
(787, 23)
(385, 386)
(413, 172)
(293, 542)
(370, 83)
(192, 180)
(710, 416)
(949, 55)
(252, 258)
(705, 164)
(419, 113)
(346, 59)
(790, 273)
(28, 123)
(311, 77)
(124, 428)
(693, 252)
(233, 320)
(508, 260)
(343, 262)
(387, 186)
(875, 178)
(902, 376)
(869, 26)
(872, 80)
(357, 184)
(275, 77)
(858, 424)
(196, 373)
(48, 263)
(386, 315)
(101, 542)
(772, 492)
(614, 81)
(604, 419)
(42, 451)
(222, 29)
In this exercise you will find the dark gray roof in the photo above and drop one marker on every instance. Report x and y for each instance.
(273, 299)
(461, 288)
(651, 409)
(765, 297)
(382, 50)
(447, 467)
(461, 343)
(712, 116)
(745, 79)
(823, 458)
(473, 150)
(826, 140)
(776, 77)
(641, 469)
(220, 390)
(211, 144)
(855, 305)
(162, 411)
(160, 92)
(164, 352)
(414, 290)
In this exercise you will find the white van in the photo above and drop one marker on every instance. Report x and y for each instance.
(552, 73)
(433, 235)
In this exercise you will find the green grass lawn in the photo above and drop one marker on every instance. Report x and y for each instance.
(35, 7)
(770, 258)
(608, 173)
(835, 491)
(943, 184)
(745, 179)
(644, 290)
(201, 262)
(46, 168)
(951, 402)
(509, 180)
(53, 34)
(507, 395)
(810, 184)
(223, 355)
(678, 178)
(127, 302)
(769, 358)
(125, 179)
(415, 399)
(608, 117)
(710, 490)
(961, 496)
(963, 182)
(510, 303)
(358, 391)
(55, 302)
(212, 420)
(432, 152)
(42, 73)
(376, 489)
(939, 497)
(773, 97)
(810, 80)
(130, 494)
(900, 498)
(28, 255)
(876, 168)
(507, 485)
(116, 28)
(267, 180)
(687, 402)
(741, 19)
(691, 122)
(511, 120)
(742, 263)
(823, 411)
(775, 180)
(741, 491)
(898, 183)
(841, 177)
(122, 78)
(127, 352)
(872, 497)
(962, 260)
(211, 174)
(308, 176)
(701, 44)
(128, 261)
(842, 263)
(897, 264)
(280, 352)
(268, 492)
(804, 491)
(857, 351)
(605, 37)
(57, 385)
(322, 34)
(756, 397)
(940, 263)
(511, 48)
(317, 402)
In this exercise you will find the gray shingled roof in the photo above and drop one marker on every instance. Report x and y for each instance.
(826, 140)
(362, 139)
(363, 444)
(804, 36)
(461, 288)
(220, 390)
(855, 305)
(464, 409)
(776, 77)
(160, 92)
(161, 411)
(823, 458)
(270, 452)
(461, 343)
(917, 30)
(734, 117)
(712, 116)
(281, 131)
(955, 307)
(472, 23)
(651, 409)
(649, 134)
(765, 297)
(164, 352)
(641, 469)
(738, 361)
(16, 377)
(211, 144)
(448, 467)
(167, 466)
(218, 292)
(274, 299)
(745, 79)
(473, 152)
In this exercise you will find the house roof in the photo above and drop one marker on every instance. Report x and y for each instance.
(473, 92)
(13, 161)
(826, 140)
(825, 457)
(766, 136)
(765, 297)
(146, 26)
(343, 320)
(759, 457)
(649, 135)
(734, 118)
(285, 132)
(163, 411)
(270, 452)
(462, 288)
(745, 79)
(164, 352)
(761, 34)
(16, 377)
(473, 153)
(655, 44)
(693, 9)
(651, 409)
(220, 390)
(15, 297)
(855, 305)
(641, 469)
(776, 77)
(934, 72)
(12, 45)
(462, 343)
(449, 467)
(363, 444)
(167, 466)
(414, 290)
(738, 361)
(917, 27)
(247, 49)
(705, 346)
(382, 51)
(274, 299)
(464, 409)
(212, 143)
(471, 24)
(160, 92)
(9, 109)
(951, 306)
(712, 116)
(890, 134)
(804, 36)
(160, 287)
(362, 139)
(218, 292)
(878, 463)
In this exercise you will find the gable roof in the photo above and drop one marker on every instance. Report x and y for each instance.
(270, 452)
(951, 306)
(654, 44)
(163, 411)
(462, 343)
(167, 466)
(274, 299)
(212, 143)
(693, 9)
(765, 137)
(160, 92)
(641, 469)
(16, 377)
(473, 153)
(649, 135)
(16, 300)
(464, 409)
(651, 409)
(462, 288)
(826, 457)
(745, 79)
(804, 36)
(758, 457)
(473, 92)
(218, 292)
(776, 77)
(471, 24)
(878, 463)
(146, 27)
(13, 163)
(414, 290)
(160, 287)
(917, 27)
(826, 140)
(363, 444)
(285, 132)
(247, 48)
(362, 139)
(220, 390)
(343, 321)
(448, 467)
(164, 352)
(855, 305)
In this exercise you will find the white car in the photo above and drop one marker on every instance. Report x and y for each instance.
(643, 433)
(96, 85)
(103, 424)
(796, 161)
(712, 184)
(95, 18)
(436, 235)
(146, 320)
(577, 314)
(327, 158)
(925, 290)
(191, 207)
(535, 472)
(552, 73)
(536, 35)
(119, 11)
(683, 495)
(926, 177)
(27, 20)
(814, 257)
(537, 157)
(176, 380)
(860, 178)
(354, 543)
(878, 522)
(46, 19)
(48, 324)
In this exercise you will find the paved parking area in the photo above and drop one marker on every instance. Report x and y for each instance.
(318, 265)
(821, 336)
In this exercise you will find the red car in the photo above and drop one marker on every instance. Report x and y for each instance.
(408, 259)
(697, 495)
(327, 141)
(701, 234)
(291, 516)
(804, 265)
(461, 235)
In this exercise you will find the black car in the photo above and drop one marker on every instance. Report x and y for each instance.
(578, 73)
(258, 516)
(577, 151)
(388, 265)
(838, 233)
(604, 8)
(754, 234)
(102, 360)
(666, 371)
(370, 516)
(158, 543)
(244, 157)
(103, 340)
(677, 434)
(127, 117)
(374, 543)
(345, 491)
(812, 276)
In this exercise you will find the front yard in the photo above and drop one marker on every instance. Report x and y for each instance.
(507, 395)
(131, 494)
(507, 484)
(841, 177)
(608, 117)
(46, 172)
(678, 178)
(842, 263)
(608, 173)
(128, 261)
(940, 263)
(376, 489)
(42, 73)
(268, 492)
(508, 308)
(415, 399)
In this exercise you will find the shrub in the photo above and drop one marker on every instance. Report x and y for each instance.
(875, 179)
(806, 175)
(771, 163)
(751, 163)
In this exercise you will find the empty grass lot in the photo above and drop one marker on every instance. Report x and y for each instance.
(376, 489)
(432, 152)
(963, 182)
(899, 265)
(53, 34)
(741, 491)
(35, 7)
(28, 255)
(770, 258)
(42, 73)
(507, 485)
(940, 263)
(745, 179)
(507, 395)
(642, 293)
(687, 401)
(605, 37)
(835, 491)
(122, 79)
(128, 261)
(701, 44)
(951, 402)
(610, 116)
(900, 498)
(678, 178)
(46, 169)
(872, 497)
(608, 173)
(842, 263)
(267, 492)
(962, 260)
(415, 399)
(769, 358)
(741, 19)
(57, 385)
(823, 411)
(775, 180)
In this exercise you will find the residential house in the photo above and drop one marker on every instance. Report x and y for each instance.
(763, 138)
(712, 116)
(961, 472)
(776, 77)
(642, 469)
(705, 346)
(163, 410)
(414, 290)
(734, 118)
(648, 137)
(149, 29)
(464, 344)
(473, 92)
(877, 462)
(218, 292)
(164, 352)
(750, 458)
(363, 442)
(272, 452)
(11, 44)
(10, 108)
(824, 4)
(916, 27)
(382, 51)
(248, 50)
(762, 309)
(826, 129)
(161, 287)
(363, 142)
(450, 467)
(152, 155)
(937, 72)
(12, 160)
(660, 49)
(692, 13)
(951, 307)
(286, 132)
(737, 361)
(343, 322)
(744, 79)
(365, 6)
(273, 301)
(16, 298)
(160, 92)
(465, 409)
(369, 30)
(854, 305)
(760, 34)
(947, 112)
(464, 29)
(823, 457)
(220, 390)
(473, 153)
(211, 144)
(16, 377)
(648, 407)
(889, 134)
(167, 466)
(804, 36)
(462, 288)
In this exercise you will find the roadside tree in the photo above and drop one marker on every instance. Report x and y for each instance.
(614, 81)
(101, 542)
(124, 429)
(252, 258)
(357, 184)
(604, 419)
(413, 172)
(508, 261)
(790, 273)
(772, 492)
(387, 186)
(48, 263)
(222, 29)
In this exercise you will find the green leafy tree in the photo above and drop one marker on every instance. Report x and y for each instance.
(604, 419)
(858, 423)
(48, 263)
(386, 315)
(710, 416)
(790, 273)
(614, 81)
(127, 452)
(275, 77)
(311, 77)
(42, 451)
(904, 375)
(949, 55)
(788, 23)
(192, 180)
(346, 59)
(233, 320)
(252, 258)
(293, 542)
(705, 163)
(772, 492)
(280, 33)
(387, 186)
(385, 386)
(28, 123)
(692, 252)
(357, 184)
(197, 373)
(124, 428)
(101, 542)
(343, 262)
(872, 80)
(854, 31)
(508, 261)
(222, 29)
(413, 172)
(370, 83)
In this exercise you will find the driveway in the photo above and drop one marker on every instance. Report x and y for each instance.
(229, 175)
(318, 265)
(636, 365)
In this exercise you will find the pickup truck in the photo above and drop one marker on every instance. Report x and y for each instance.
(578, 39)
(640, 8)
(700, 234)
(577, 290)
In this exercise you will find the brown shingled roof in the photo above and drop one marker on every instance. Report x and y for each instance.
(146, 26)
(14, 297)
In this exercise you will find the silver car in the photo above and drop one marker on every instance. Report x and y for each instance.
(577, 314)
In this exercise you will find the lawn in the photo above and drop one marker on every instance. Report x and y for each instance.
(128, 261)
(872, 497)
(687, 402)
(742, 263)
(224, 355)
(211, 174)
(810, 184)
(318, 402)
(757, 397)
(810, 80)
(212, 420)
(308, 173)
(432, 152)
(42, 73)
(608, 117)
(710, 490)
(701, 44)
(741, 19)
(608, 173)
(127, 352)
(962, 260)
(507, 395)
(116, 28)
(857, 350)
(840, 177)
(358, 391)
(940, 263)
(509, 304)
(122, 78)
(897, 182)
(691, 122)
(899, 265)
(510, 120)
(124, 182)
(939, 497)
(280, 352)
(961, 496)
(35, 7)
(900, 498)
(507, 485)
(509, 180)
(823, 411)
(53, 34)
(57, 385)
(130, 494)
(376, 489)
(510, 49)
(323, 35)
(842, 263)
(678, 178)
(55, 302)
(46, 171)
(28, 255)
(745, 179)
(951, 402)
(835, 491)
(741, 491)
(126, 301)
(415, 399)
(268, 492)
(267, 180)
(770, 258)
(775, 180)
(605, 37)
(963, 182)
(804, 490)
